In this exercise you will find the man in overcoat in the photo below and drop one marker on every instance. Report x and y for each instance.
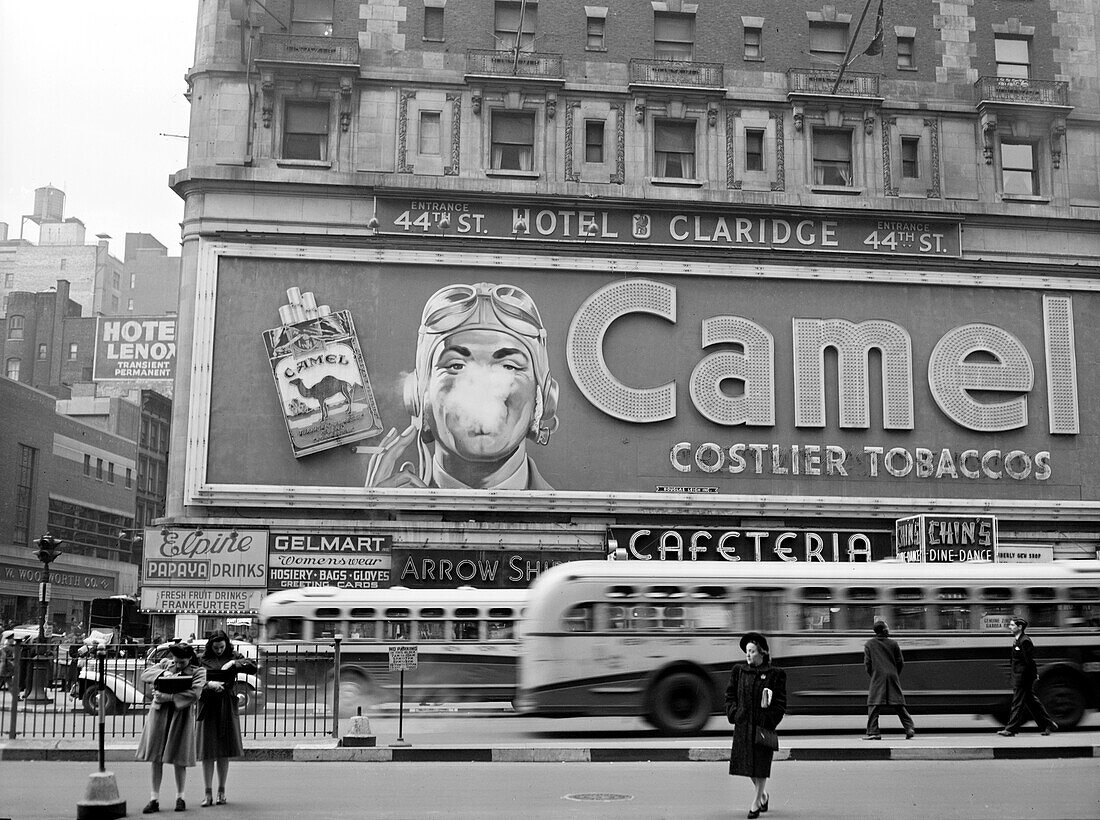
(883, 660)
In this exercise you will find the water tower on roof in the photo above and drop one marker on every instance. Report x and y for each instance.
(49, 204)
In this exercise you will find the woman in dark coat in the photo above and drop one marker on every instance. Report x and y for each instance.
(755, 698)
(219, 733)
(169, 735)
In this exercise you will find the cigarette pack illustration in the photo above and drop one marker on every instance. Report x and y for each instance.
(320, 376)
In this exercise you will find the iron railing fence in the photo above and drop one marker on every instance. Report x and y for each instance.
(61, 699)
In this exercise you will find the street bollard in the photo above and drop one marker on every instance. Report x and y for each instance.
(101, 799)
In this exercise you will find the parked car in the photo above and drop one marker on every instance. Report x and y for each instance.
(123, 688)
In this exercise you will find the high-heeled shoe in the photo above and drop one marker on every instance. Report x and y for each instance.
(764, 803)
(207, 799)
(221, 798)
(753, 814)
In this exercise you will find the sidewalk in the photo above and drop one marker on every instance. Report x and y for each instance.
(315, 750)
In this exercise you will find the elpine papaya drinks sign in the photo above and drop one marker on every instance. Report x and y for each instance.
(675, 383)
(179, 557)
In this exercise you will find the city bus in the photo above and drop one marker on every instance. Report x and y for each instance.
(658, 639)
(465, 639)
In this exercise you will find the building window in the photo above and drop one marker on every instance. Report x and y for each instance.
(754, 149)
(593, 140)
(24, 494)
(9, 280)
(1018, 168)
(130, 305)
(674, 149)
(63, 261)
(753, 43)
(910, 157)
(74, 350)
(87, 466)
(133, 281)
(11, 368)
(828, 43)
(305, 135)
(595, 32)
(513, 141)
(110, 472)
(129, 478)
(509, 29)
(832, 157)
(433, 23)
(16, 324)
(99, 469)
(906, 52)
(116, 280)
(673, 36)
(1013, 56)
(114, 303)
(41, 352)
(429, 134)
(312, 17)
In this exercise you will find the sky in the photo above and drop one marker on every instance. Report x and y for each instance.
(87, 88)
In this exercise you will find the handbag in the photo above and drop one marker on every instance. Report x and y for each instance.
(767, 738)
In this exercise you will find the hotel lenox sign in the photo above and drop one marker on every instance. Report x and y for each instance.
(789, 387)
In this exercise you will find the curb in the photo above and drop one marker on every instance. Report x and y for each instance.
(330, 752)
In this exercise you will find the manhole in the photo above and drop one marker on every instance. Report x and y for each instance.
(599, 797)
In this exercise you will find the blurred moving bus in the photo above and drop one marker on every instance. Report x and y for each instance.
(465, 638)
(659, 639)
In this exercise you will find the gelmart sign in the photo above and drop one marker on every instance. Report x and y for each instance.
(141, 348)
(178, 557)
(677, 384)
(347, 560)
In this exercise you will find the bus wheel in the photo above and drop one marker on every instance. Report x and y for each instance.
(680, 703)
(249, 701)
(355, 691)
(111, 704)
(1064, 700)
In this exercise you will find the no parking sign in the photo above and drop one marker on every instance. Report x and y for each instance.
(402, 658)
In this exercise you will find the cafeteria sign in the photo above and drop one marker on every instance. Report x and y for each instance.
(946, 539)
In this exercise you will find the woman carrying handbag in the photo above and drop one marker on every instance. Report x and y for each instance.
(756, 700)
(219, 730)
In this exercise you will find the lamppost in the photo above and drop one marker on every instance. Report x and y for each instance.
(49, 548)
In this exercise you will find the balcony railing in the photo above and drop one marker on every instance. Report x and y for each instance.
(821, 81)
(677, 72)
(309, 50)
(529, 64)
(1023, 90)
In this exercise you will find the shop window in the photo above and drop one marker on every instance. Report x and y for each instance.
(674, 149)
(910, 157)
(1018, 168)
(593, 140)
(512, 141)
(305, 131)
(433, 23)
(312, 17)
(429, 134)
(832, 157)
(514, 24)
(12, 367)
(595, 28)
(828, 43)
(754, 149)
(907, 52)
(673, 36)
(754, 38)
(1013, 55)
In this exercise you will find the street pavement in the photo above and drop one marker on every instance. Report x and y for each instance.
(821, 790)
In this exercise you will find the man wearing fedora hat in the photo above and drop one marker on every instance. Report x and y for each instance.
(1025, 674)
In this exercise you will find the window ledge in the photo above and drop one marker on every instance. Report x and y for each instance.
(303, 163)
(1024, 198)
(908, 68)
(836, 189)
(497, 172)
(680, 181)
(753, 59)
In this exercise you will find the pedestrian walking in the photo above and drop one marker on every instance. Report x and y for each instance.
(7, 658)
(883, 660)
(756, 700)
(219, 728)
(169, 735)
(1025, 675)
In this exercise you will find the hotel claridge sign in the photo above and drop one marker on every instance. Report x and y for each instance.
(471, 288)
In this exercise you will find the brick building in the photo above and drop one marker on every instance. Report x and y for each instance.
(775, 304)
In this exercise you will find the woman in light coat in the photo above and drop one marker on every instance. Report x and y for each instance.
(169, 735)
(755, 698)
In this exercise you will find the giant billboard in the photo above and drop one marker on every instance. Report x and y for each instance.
(598, 383)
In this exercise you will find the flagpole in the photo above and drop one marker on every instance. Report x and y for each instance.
(851, 44)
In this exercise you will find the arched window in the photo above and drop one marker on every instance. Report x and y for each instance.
(11, 369)
(15, 327)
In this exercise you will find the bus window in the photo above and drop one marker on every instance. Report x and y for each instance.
(616, 617)
(326, 622)
(764, 604)
(817, 618)
(862, 617)
(997, 594)
(673, 618)
(1043, 615)
(465, 624)
(620, 591)
(361, 630)
(643, 618)
(995, 617)
(500, 630)
(397, 625)
(953, 617)
(578, 619)
(908, 616)
(708, 616)
(710, 592)
(431, 626)
(664, 592)
(862, 594)
(284, 629)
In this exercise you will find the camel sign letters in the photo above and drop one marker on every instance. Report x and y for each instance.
(320, 377)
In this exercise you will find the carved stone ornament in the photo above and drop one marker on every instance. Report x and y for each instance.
(551, 106)
(267, 87)
(799, 117)
(989, 137)
(639, 110)
(1057, 137)
(475, 103)
(712, 117)
(868, 122)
